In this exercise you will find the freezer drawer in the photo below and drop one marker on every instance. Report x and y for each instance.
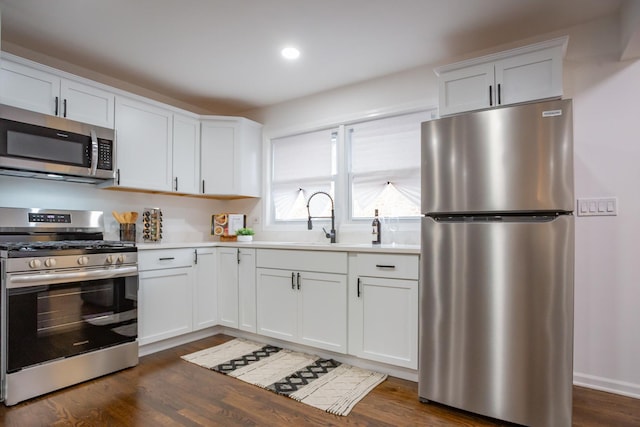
(497, 318)
(506, 159)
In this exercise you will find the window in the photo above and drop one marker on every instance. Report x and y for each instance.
(368, 165)
(384, 170)
(301, 165)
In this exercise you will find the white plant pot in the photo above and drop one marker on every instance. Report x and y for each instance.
(244, 238)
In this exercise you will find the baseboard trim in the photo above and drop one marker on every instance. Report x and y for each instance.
(606, 384)
(179, 340)
(394, 371)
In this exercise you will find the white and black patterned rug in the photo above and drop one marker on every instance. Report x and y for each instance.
(325, 384)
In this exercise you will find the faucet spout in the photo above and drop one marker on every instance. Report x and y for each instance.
(332, 233)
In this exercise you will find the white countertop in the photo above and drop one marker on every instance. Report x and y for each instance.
(314, 246)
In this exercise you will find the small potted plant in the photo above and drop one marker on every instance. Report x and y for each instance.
(245, 234)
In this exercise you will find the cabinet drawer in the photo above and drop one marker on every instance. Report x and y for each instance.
(157, 259)
(325, 262)
(387, 265)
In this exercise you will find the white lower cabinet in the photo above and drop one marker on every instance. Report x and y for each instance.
(177, 292)
(237, 288)
(165, 295)
(205, 296)
(383, 308)
(363, 304)
(305, 307)
(302, 305)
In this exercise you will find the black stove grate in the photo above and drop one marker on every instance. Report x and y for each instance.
(64, 245)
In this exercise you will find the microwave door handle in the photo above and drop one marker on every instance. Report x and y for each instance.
(94, 153)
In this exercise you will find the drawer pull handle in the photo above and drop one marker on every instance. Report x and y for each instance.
(166, 259)
(298, 281)
(385, 266)
(358, 287)
(293, 284)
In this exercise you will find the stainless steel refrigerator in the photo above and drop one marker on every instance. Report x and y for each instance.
(496, 296)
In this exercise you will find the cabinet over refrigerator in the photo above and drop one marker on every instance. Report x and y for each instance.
(496, 300)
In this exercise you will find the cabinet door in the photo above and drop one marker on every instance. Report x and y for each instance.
(277, 304)
(186, 154)
(466, 89)
(86, 104)
(531, 76)
(144, 148)
(205, 296)
(248, 167)
(28, 88)
(165, 304)
(384, 321)
(228, 287)
(322, 311)
(247, 290)
(218, 157)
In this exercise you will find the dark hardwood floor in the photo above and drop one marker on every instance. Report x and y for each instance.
(164, 390)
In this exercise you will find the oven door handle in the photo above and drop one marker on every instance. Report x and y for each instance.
(26, 280)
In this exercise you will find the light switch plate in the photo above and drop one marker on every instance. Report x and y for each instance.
(597, 206)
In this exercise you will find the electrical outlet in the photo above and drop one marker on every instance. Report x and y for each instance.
(255, 220)
(597, 206)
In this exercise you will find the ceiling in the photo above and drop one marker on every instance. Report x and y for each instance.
(223, 55)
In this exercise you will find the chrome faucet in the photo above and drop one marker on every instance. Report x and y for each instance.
(331, 234)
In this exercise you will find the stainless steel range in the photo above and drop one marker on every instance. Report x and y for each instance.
(68, 301)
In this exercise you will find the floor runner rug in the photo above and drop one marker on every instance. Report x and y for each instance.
(325, 384)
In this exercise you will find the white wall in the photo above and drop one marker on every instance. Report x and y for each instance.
(185, 219)
(411, 90)
(606, 97)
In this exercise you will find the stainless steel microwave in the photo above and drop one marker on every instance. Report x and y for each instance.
(42, 146)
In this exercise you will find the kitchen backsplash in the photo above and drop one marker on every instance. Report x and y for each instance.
(185, 219)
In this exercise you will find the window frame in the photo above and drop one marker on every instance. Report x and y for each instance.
(341, 180)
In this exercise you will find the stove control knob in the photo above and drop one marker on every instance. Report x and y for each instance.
(121, 258)
(83, 260)
(35, 263)
(50, 262)
(110, 259)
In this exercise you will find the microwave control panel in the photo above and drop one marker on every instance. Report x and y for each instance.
(105, 154)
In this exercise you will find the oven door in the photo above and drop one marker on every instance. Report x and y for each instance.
(62, 314)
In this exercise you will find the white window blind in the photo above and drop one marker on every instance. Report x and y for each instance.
(385, 166)
(301, 165)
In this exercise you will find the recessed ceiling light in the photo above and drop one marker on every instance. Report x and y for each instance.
(290, 53)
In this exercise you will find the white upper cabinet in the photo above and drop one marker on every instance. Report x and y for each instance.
(230, 157)
(520, 75)
(37, 90)
(144, 135)
(158, 147)
(186, 154)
